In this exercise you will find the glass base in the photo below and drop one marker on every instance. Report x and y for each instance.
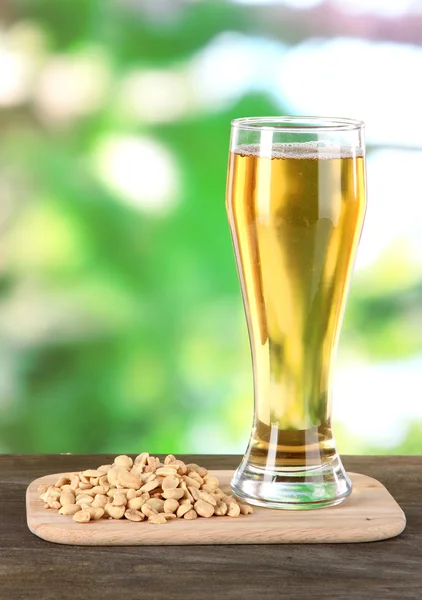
(294, 489)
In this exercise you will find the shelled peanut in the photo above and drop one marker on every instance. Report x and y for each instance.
(144, 489)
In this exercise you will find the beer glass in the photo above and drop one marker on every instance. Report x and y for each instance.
(296, 204)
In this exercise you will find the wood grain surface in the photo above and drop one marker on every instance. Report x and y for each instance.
(369, 514)
(31, 568)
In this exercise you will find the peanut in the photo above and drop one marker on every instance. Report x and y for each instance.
(134, 515)
(194, 475)
(153, 462)
(191, 514)
(84, 498)
(150, 468)
(208, 498)
(221, 508)
(151, 485)
(227, 499)
(137, 470)
(176, 494)
(157, 519)
(66, 488)
(203, 509)
(131, 494)
(180, 466)
(69, 509)
(113, 491)
(142, 459)
(79, 492)
(183, 509)
(136, 503)
(82, 516)
(67, 498)
(191, 482)
(194, 492)
(140, 489)
(211, 482)
(83, 485)
(53, 492)
(187, 494)
(245, 509)
(200, 470)
(128, 480)
(165, 471)
(143, 495)
(95, 512)
(112, 476)
(104, 469)
(233, 510)
(100, 501)
(103, 480)
(123, 461)
(62, 480)
(169, 458)
(173, 466)
(156, 503)
(119, 500)
(148, 511)
(169, 483)
(92, 473)
(99, 489)
(115, 512)
(170, 505)
(99, 512)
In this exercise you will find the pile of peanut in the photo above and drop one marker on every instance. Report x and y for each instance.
(141, 489)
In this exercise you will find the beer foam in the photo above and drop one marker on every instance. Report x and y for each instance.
(310, 150)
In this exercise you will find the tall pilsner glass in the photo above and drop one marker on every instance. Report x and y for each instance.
(296, 204)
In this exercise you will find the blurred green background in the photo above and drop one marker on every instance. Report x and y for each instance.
(121, 322)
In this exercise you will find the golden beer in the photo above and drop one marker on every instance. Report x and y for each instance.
(296, 217)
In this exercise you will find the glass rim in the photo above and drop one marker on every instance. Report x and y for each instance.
(292, 124)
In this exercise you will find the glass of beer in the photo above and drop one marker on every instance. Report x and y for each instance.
(296, 205)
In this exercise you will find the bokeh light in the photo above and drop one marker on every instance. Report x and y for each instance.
(138, 170)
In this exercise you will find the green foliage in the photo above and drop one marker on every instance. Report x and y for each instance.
(122, 328)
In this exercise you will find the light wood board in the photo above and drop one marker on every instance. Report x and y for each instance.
(369, 514)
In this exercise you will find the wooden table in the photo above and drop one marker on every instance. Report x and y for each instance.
(33, 569)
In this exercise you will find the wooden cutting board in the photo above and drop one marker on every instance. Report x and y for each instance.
(369, 514)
